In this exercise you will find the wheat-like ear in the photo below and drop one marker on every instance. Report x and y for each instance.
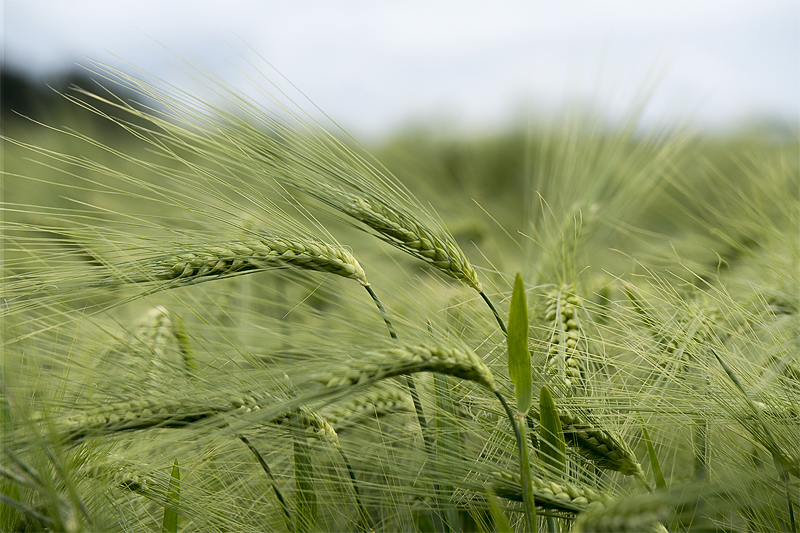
(413, 237)
(376, 366)
(602, 447)
(562, 496)
(565, 337)
(267, 252)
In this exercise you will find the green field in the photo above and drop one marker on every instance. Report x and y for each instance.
(188, 344)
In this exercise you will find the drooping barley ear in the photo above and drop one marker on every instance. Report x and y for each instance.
(600, 446)
(153, 412)
(133, 415)
(640, 515)
(375, 366)
(376, 402)
(413, 237)
(122, 473)
(314, 425)
(268, 252)
(565, 338)
(560, 495)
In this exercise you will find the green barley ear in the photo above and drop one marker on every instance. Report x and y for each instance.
(269, 251)
(409, 234)
(554, 447)
(566, 339)
(170, 524)
(519, 358)
(560, 495)
(377, 366)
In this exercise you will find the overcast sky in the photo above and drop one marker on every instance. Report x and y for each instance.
(376, 66)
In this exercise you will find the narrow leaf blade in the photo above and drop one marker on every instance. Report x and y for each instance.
(305, 492)
(501, 524)
(519, 358)
(170, 524)
(554, 445)
(651, 452)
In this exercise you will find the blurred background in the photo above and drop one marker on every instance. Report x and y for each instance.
(380, 67)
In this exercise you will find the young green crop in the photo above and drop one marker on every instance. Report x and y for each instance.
(667, 274)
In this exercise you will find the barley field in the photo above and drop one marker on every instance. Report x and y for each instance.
(220, 313)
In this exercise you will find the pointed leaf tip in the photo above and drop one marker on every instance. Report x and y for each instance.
(519, 358)
(554, 445)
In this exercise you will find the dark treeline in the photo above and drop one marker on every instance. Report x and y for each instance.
(24, 97)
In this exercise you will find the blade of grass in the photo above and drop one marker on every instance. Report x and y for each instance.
(656, 466)
(170, 524)
(501, 524)
(519, 358)
(519, 368)
(304, 493)
(554, 446)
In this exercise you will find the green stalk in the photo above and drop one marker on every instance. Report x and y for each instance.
(412, 387)
(265, 467)
(494, 312)
(518, 424)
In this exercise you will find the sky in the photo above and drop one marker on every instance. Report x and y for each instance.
(379, 66)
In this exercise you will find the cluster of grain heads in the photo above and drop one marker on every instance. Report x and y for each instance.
(558, 495)
(379, 365)
(565, 339)
(267, 252)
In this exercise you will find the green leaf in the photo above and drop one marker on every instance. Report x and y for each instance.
(660, 483)
(501, 524)
(173, 499)
(554, 446)
(519, 358)
(305, 493)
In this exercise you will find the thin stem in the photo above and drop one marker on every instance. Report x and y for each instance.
(524, 465)
(412, 388)
(266, 469)
(362, 513)
(383, 312)
(494, 311)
